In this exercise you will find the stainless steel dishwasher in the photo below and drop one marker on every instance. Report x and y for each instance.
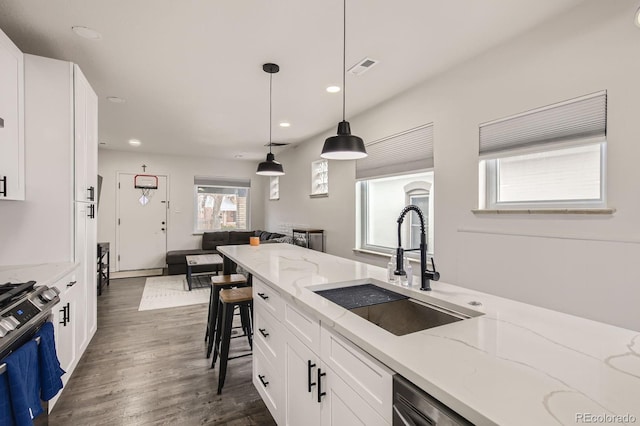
(414, 407)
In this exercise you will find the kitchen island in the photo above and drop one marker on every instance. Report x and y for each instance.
(516, 364)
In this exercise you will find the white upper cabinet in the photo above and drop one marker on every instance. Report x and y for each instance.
(12, 183)
(86, 138)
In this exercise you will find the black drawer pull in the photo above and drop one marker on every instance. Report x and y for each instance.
(263, 332)
(4, 186)
(63, 320)
(91, 195)
(320, 376)
(310, 365)
(71, 283)
(262, 380)
(263, 296)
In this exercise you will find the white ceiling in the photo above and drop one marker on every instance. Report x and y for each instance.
(191, 70)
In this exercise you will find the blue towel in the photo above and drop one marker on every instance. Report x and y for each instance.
(50, 371)
(24, 383)
(6, 415)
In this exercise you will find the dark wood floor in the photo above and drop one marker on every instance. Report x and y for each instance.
(149, 368)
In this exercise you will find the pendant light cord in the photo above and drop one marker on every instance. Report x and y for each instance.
(344, 57)
(270, 103)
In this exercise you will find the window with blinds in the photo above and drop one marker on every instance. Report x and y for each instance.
(404, 152)
(395, 173)
(550, 157)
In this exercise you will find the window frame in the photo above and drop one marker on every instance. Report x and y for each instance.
(490, 175)
(197, 231)
(415, 193)
(363, 216)
(320, 171)
(274, 188)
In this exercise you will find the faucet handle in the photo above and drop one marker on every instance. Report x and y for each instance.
(433, 275)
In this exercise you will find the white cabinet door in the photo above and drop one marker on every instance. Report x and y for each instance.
(267, 379)
(85, 138)
(301, 388)
(12, 182)
(64, 327)
(80, 288)
(341, 405)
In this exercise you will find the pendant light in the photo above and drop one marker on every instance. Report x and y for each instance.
(344, 146)
(270, 167)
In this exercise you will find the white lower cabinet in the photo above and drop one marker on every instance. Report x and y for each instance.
(68, 326)
(64, 328)
(344, 406)
(309, 375)
(302, 367)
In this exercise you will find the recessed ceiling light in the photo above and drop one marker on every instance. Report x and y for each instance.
(285, 124)
(333, 89)
(87, 33)
(637, 18)
(116, 100)
(134, 142)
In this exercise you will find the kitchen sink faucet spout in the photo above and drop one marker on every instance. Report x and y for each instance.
(425, 274)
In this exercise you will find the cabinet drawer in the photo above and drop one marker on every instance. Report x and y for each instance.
(268, 383)
(368, 377)
(267, 297)
(66, 283)
(269, 335)
(304, 326)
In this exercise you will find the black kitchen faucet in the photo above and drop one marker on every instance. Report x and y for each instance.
(425, 274)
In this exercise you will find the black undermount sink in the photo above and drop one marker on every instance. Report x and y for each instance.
(394, 312)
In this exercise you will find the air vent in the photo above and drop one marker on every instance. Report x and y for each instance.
(276, 144)
(363, 66)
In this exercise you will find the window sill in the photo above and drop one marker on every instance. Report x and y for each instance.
(375, 253)
(545, 211)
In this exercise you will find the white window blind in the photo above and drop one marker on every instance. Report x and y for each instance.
(401, 153)
(578, 120)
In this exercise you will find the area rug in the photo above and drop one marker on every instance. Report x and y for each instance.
(170, 292)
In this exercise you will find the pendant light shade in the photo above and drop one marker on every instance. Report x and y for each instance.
(344, 146)
(270, 167)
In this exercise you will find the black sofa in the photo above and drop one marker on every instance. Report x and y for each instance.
(177, 259)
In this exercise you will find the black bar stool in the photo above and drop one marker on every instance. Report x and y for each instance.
(219, 282)
(229, 299)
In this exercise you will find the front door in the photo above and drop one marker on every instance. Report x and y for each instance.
(142, 225)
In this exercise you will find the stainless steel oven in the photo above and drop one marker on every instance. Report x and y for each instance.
(414, 407)
(24, 308)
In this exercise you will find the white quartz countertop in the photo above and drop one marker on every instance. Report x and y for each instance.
(517, 364)
(42, 274)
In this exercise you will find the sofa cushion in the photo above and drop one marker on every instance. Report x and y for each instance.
(211, 240)
(239, 237)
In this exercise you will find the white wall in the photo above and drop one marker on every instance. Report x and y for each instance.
(181, 171)
(584, 265)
